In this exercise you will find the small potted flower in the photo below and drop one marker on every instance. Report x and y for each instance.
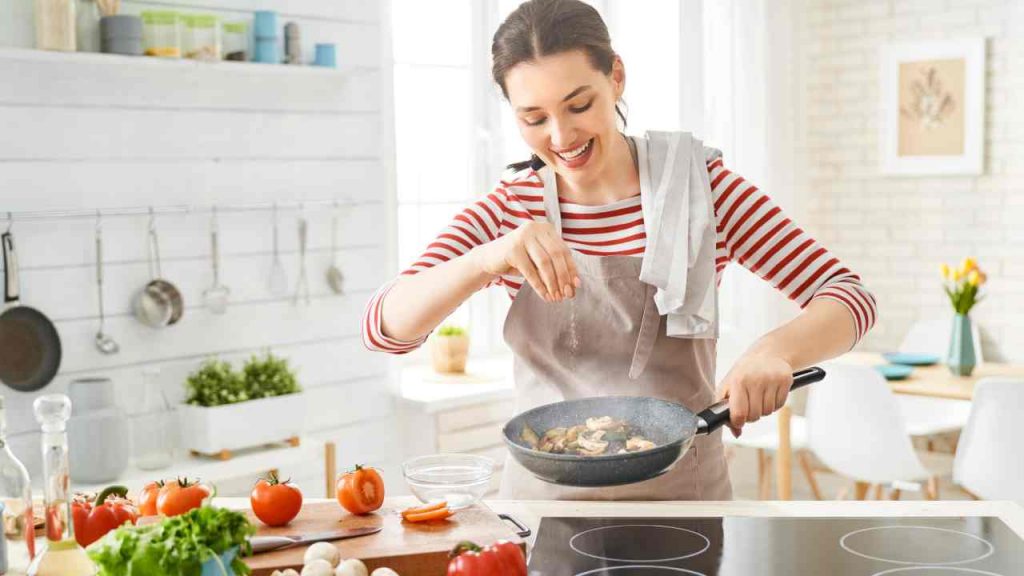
(962, 286)
(449, 349)
(222, 405)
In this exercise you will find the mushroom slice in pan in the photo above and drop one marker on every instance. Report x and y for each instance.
(591, 443)
(638, 443)
(530, 437)
(603, 423)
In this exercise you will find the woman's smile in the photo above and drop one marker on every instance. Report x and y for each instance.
(575, 158)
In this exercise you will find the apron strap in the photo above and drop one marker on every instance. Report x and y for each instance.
(551, 208)
(648, 334)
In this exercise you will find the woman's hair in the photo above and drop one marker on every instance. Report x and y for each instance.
(544, 27)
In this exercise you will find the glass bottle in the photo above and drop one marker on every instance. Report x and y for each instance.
(62, 555)
(153, 426)
(16, 495)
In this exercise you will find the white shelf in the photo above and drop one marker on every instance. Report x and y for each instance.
(244, 463)
(485, 380)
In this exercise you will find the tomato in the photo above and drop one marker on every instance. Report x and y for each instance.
(180, 495)
(92, 520)
(502, 558)
(274, 502)
(361, 491)
(148, 496)
(424, 508)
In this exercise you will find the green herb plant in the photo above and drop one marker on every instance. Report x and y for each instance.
(215, 383)
(451, 330)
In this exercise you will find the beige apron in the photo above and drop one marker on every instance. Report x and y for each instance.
(590, 346)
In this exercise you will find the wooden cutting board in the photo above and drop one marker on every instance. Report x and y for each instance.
(411, 549)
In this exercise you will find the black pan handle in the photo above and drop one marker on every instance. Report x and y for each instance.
(521, 530)
(10, 269)
(714, 416)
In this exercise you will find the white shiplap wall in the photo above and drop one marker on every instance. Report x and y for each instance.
(87, 132)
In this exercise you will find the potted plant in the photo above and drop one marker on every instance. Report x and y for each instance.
(449, 349)
(221, 406)
(962, 286)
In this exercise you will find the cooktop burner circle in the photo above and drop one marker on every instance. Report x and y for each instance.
(639, 543)
(656, 570)
(945, 570)
(902, 545)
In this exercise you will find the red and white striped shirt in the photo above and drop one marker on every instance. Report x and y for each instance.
(751, 230)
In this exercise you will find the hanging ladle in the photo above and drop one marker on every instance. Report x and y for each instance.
(104, 342)
(216, 296)
(335, 279)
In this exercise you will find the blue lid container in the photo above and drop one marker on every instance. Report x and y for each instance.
(266, 50)
(265, 24)
(325, 56)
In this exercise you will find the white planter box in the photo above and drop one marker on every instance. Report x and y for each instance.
(243, 425)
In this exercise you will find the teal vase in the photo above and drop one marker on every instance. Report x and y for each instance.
(961, 358)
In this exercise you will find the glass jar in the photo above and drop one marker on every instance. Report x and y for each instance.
(153, 426)
(236, 41)
(161, 34)
(201, 37)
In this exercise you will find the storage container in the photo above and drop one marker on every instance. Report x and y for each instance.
(236, 41)
(161, 34)
(201, 37)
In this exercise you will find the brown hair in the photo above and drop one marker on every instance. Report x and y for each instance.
(544, 27)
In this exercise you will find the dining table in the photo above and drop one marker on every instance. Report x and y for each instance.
(935, 381)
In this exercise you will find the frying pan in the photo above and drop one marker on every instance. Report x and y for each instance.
(672, 427)
(30, 348)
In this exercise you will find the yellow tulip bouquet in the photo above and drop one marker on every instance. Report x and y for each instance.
(962, 284)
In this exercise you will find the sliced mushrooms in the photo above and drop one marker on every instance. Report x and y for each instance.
(599, 436)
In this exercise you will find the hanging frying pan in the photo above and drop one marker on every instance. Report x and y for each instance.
(29, 345)
(672, 427)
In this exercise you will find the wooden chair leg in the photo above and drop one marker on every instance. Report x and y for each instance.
(805, 464)
(330, 470)
(860, 490)
(878, 491)
(895, 494)
(931, 489)
(764, 475)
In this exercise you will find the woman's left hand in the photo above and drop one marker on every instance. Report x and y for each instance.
(756, 386)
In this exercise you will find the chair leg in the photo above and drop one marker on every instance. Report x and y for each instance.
(860, 490)
(878, 491)
(805, 463)
(931, 489)
(764, 478)
(895, 494)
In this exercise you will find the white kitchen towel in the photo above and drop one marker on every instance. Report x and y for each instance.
(679, 260)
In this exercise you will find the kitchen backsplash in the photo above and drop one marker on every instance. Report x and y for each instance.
(81, 134)
(896, 231)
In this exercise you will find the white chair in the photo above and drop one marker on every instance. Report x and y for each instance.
(763, 436)
(855, 427)
(989, 461)
(934, 416)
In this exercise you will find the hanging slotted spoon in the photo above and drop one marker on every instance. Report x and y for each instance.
(335, 279)
(277, 283)
(216, 296)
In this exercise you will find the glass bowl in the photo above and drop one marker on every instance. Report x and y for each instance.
(459, 479)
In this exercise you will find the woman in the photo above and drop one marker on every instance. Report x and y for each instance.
(612, 248)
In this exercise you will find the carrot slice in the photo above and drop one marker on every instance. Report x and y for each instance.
(424, 508)
(438, 514)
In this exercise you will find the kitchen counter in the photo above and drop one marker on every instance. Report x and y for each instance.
(530, 512)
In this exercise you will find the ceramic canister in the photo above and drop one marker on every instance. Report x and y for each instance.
(98, 432)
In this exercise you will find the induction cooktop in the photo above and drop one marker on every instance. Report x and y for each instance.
(735, 546)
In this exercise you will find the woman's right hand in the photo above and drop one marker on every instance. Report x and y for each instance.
(536, 252)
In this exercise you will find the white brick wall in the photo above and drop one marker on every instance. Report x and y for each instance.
(896, 231)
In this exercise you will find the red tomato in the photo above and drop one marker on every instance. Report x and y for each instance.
(148, 497)
(361, 491)
(502, 558)
(180, 495)
(274, 502)
(110, 510)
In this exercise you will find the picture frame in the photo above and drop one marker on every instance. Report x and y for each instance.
(933, 107)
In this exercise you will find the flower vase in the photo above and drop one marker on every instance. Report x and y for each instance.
(960, 358)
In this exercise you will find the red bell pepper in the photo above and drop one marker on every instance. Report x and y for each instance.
(94, 519)
(502, 558)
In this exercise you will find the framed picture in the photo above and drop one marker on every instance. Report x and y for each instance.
(933, 107)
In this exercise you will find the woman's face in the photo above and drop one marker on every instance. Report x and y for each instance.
(565, 110)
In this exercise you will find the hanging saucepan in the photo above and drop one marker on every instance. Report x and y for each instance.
(30, 349)
(672, 427)
(159, 303)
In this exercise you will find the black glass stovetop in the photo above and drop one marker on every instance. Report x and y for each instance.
(735, 546)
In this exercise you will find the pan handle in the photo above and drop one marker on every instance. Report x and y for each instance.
(521, 530)
(714, 416)
(10, 270)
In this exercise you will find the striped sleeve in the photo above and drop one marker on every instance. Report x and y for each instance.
(478, 224)
(755, 232)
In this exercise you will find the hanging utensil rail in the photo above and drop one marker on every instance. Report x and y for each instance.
(25, 216)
